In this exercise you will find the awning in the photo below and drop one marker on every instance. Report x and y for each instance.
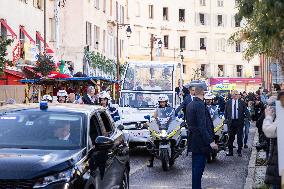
(215, 81)
(8, 28)
(22, 28)
(48, 50)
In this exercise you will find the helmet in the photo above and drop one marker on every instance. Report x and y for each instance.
(62, 93)
(209, 96)
(47, 98)
(163, 97)
(104, 94)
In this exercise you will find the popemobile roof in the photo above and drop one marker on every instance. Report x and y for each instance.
(60, 107)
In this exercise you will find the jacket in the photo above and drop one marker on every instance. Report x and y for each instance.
(272, 172)
(242, 112)
(200, 127)
(183, 105)
(87, 100)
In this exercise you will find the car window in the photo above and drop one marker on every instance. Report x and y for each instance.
(95, 130)
(107, 124)
(41, 130)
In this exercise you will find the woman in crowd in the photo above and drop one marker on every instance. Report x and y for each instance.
(269, 126)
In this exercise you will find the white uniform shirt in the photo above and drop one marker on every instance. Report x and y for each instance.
(237, 106)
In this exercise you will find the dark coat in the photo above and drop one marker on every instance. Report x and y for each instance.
(183, 105)
(242, 112)
(200, 127)
(272, 171)
(87, 100)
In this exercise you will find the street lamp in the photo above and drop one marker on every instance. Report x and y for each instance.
(128, 32)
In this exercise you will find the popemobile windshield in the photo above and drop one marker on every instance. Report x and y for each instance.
(143, 82)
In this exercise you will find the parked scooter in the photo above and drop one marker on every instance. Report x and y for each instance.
(168, 137)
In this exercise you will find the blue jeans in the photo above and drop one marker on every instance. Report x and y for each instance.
(198, 165)
(246, 131)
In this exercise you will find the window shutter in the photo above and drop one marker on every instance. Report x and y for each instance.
(217, 44)
(197, 20)
(208, 19)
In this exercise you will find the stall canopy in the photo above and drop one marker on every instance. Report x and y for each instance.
(4, 23)
(215, 81)
(22, 28)
(68, 79)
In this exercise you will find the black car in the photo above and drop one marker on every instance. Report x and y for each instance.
(61, 146)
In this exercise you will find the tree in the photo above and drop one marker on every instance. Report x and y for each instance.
(4, 43)
(264, 28)
(197, 74)
(44, 64)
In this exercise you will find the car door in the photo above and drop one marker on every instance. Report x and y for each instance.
(117, 158)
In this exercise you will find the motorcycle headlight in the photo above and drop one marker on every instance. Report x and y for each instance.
(163, 134)
(64, 176)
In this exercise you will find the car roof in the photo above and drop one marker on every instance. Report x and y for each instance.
(57, 107)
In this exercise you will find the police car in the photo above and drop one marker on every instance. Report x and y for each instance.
(61, 146)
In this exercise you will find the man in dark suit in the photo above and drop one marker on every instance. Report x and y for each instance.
(201, 137)
(188, 99)
(89, 97)
(235, 114)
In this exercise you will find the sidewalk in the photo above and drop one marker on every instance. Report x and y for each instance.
(256, 168)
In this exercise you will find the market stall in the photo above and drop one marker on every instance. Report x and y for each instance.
(78, 85)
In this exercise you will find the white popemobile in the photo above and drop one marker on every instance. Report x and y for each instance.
(143, 82)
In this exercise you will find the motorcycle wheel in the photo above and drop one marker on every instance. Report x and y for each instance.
(165, 159)
(171, 162)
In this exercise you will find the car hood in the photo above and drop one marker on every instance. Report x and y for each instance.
(30, 164)
(133, 114)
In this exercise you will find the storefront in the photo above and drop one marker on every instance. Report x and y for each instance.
(240, 84)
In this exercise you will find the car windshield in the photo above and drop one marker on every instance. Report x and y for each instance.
(142, 100)
(41, 130)
(149, 77)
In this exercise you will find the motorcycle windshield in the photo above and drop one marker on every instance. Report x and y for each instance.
(165, 116)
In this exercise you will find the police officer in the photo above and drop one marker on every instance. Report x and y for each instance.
(62, 96)
(104, 99)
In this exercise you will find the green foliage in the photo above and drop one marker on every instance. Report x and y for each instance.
(197, 74)
(4, 43)
(104, 64)
(264, 29)
(44, 64)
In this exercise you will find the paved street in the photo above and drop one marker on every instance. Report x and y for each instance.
(226, 172)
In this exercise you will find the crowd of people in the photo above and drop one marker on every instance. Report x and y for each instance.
(240, 111)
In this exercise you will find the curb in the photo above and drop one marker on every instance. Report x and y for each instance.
(249, 184)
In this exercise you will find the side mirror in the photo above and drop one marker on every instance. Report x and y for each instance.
(120, 127)
(103, 143)
(148, 117)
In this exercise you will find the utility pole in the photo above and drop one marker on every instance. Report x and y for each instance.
(44, 25)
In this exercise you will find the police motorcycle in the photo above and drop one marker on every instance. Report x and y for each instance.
(168, 135)
(220, 129)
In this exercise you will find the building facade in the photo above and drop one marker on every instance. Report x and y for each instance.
(93, 26)
(201, 28)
